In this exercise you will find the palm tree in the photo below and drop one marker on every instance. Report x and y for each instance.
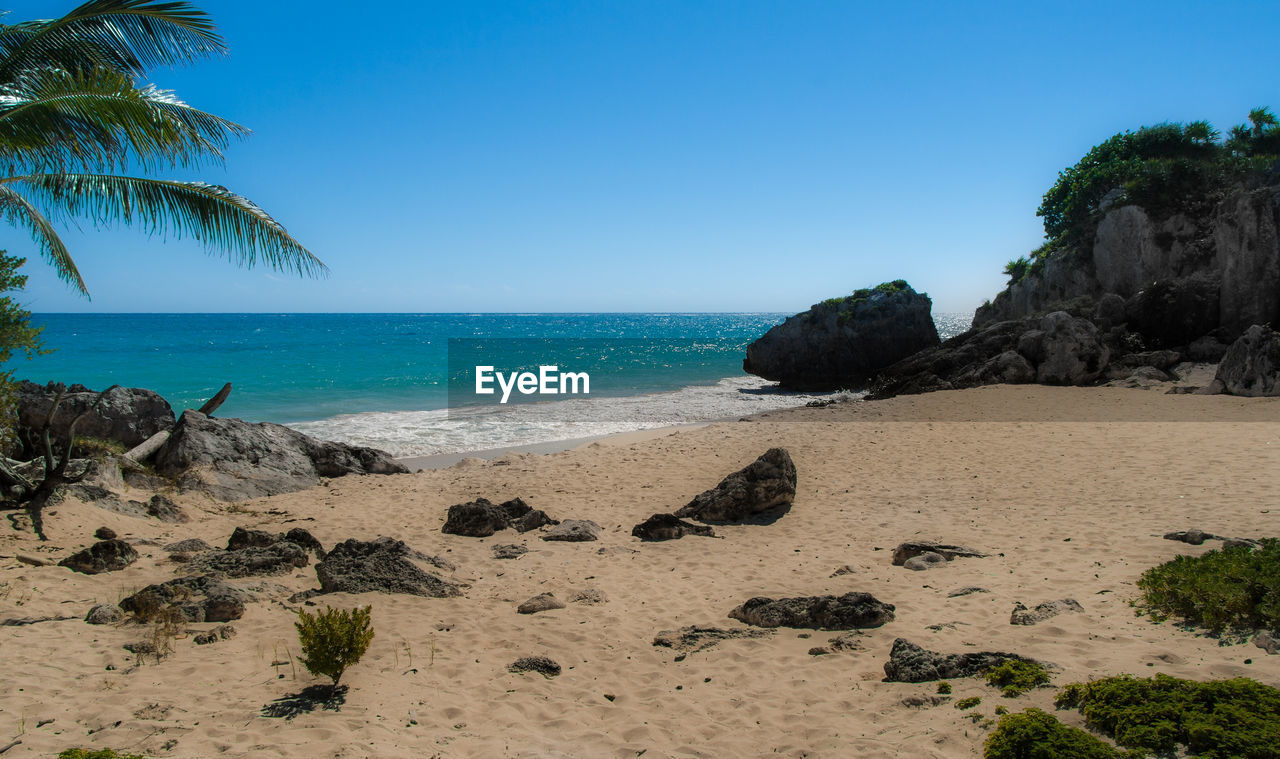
(1261, 118)
(75, 117)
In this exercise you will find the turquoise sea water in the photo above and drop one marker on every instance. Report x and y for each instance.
(380, 379)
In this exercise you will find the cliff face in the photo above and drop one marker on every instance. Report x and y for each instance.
(844, 342)
(1180, 277)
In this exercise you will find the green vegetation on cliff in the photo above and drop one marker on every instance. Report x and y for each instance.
(850, 303)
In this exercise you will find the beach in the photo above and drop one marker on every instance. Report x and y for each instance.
(1066, 504)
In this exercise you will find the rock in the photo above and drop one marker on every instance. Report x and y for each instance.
(574, 531)
(126, 415)
(1239, 543)
(234, 460)
(104, 533)
(847, 612)
(382, 565)
(912, 548)
(540, 664)
(223, 632)
(1191, 537)
(918, 701)
(1024, 616)
(845, 570)
(1207, 349)
(244, 538)
(909, 663)
(1109, 311)
(532, 521)
(275, 559)
(1247, 242)
(166, 510)
(1175, 311)
(205, 598)
(141, 648)
(509, 551)
(767, 483)
(540, 602)
(966, 591)
(843, 343)
(1251, 366)
(103, 556)
(924, 561)
(819, 651)
(846, 642)
(668, 527)
(1267, 641)
(694, 638)
(104, 614)
(1068, 352)
(481, 518)
(190, 545)
(590, 596)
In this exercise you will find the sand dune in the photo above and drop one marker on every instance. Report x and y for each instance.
(1065, 508)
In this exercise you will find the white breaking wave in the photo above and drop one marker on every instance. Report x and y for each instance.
(423, 433)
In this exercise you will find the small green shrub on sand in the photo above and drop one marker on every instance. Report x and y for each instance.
(1237, 718)
(968, 703)
(104, 753)
(1034, 734)
(944, 688)
(1228, 589)
(333, 640)
(1015, 677)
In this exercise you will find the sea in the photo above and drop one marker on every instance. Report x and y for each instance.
(383, 380)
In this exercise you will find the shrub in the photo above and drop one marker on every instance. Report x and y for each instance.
(1233, 588)
(968, 703)
(1015, 677)
(1216, 719)
(1034, 734)
(944, 688)
(333, 639)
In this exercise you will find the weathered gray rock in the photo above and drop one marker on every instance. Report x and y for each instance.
(511, 551)
(103, 556)
(221, 632)
(245, 538)
(688, 640)
(539, 603)
(1191, 537)
(924, 561)
(166, 510)
(383, 565)
(846, 612)
(1251, 366)
(233, 460)
(1267, 641)
(251, 561)
(1068, 351)
(668, 527)
(541, 664)
(589, 596)
(104, 614)
(966, 591)
(190, 545)
(481, 518)
(909, 663)
(574, 531)
(845, 342)
(204, 598)
(1247, 244)
(1023, 616)
(767, 483)
(912, 548)
(126, 415)
(1207, 349)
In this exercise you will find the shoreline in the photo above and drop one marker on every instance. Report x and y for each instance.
(446, 460)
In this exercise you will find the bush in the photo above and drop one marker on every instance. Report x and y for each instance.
(968, 703)
(1034, 734)
(1015, 677)
(17, 336)
(1228, 589)
(333, 640)
(1216, 719)
(105, 753)
(944, 688)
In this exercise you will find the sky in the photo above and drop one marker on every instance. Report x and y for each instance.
(657, 156)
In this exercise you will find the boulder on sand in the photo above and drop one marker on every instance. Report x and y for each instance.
(103, 556)
(909, 663)
(847, 612)
(383, 565)
(668, 527)
(767, 483)
(1251, 366)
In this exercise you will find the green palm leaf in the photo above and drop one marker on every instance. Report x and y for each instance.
(20, 212)
(224, 221)
(125, 35)
(52, 119)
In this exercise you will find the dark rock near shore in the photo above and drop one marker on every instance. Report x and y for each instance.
(844, 342)
(103, 556)
(234, 460)
(383, 565)
(1023, 616)
(767, 483)
(574, 531)
(541, 664)
(204, 598)
(668, 527)
(126, 415)
(481, 518)
(166, 510)
(847, 612)
(909, 663)
(1251, 366)
(912, 548)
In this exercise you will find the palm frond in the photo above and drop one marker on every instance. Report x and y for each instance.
(125, 35)
(224, 221)
(20, 212)
(53, 119)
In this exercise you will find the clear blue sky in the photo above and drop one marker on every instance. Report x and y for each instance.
(653, 156)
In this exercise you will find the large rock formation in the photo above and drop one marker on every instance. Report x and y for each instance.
(234, 460)
(383, 565)
(126, 415)
(1251, 366)
(845, 342)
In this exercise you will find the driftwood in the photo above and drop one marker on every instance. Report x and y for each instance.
(147, 448)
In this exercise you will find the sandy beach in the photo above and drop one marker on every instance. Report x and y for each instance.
(1066, 509)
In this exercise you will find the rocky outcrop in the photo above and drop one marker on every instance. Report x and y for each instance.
(543, 665)
(540, 603)
(913, 548)
(103, 556)
(234, 460)
(206, 598)
(126, 415)
(242, 538)
(668, 527)
(1251, 366)
(481, 518)
(1023, 616)
(848, 612)
(767, 483)
(909, 663)
(688, 640)
(574, 531)
(844, 342)
(383, 565)
(1057, 348)
(104, 614)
